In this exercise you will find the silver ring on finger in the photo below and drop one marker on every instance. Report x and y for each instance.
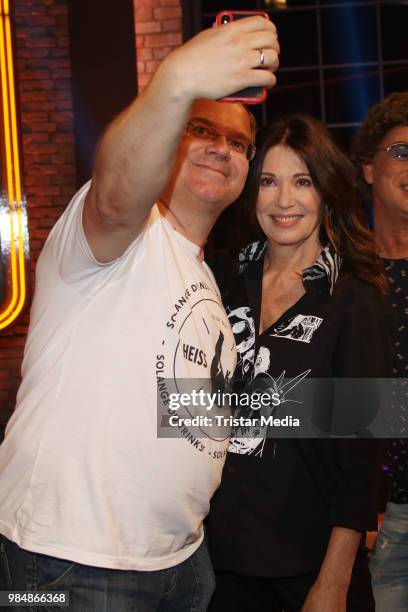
(261, 57)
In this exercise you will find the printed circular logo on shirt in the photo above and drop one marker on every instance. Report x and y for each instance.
(206, 320)
(201, 360)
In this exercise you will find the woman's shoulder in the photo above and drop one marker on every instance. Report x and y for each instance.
(362, 296)
(223, 266)
(250, 253)
(357, 287)
(226, 266)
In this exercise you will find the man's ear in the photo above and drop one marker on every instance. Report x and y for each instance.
(368, 173)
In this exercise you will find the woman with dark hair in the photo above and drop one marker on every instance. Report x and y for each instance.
(287, 525)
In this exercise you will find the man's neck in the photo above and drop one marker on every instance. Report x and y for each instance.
(192, 226)
(391, 234)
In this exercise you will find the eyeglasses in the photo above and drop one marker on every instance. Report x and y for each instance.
(397, 151)
(208, 133)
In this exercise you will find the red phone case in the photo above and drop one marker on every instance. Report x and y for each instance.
(250, 95)
(240, 14)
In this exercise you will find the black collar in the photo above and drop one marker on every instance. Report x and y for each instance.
(320, 278)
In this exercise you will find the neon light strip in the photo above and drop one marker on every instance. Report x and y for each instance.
(13, 175)
(16, 166)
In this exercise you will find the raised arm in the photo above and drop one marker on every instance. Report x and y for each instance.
(134, 158)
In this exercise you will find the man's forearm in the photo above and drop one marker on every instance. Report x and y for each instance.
(133, 163)
(329, 592)
(341, 552)
(135, 156)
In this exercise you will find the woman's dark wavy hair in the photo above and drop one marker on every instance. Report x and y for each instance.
(344, 223)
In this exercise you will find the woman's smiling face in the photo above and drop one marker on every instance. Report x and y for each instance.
(289, 206)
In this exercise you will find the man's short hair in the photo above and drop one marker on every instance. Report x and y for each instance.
(381, 118)
(252, 122)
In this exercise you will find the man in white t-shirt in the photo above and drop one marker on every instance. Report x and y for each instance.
(92, 501)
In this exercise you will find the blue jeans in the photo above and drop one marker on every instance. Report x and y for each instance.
(389, 561)
(185, 587)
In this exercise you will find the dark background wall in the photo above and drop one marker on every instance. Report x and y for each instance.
(103, 65)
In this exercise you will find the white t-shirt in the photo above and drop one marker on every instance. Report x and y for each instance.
(83, 475)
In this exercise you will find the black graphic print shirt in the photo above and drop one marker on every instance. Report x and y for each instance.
(279, 498)
(397, 451)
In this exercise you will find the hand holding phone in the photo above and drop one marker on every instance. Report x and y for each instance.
(223, 60)
(249, 95)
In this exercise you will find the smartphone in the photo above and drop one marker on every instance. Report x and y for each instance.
(250, 95)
